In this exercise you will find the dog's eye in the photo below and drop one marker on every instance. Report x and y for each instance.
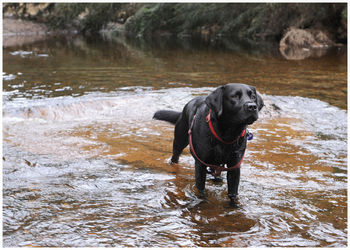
(236, 96)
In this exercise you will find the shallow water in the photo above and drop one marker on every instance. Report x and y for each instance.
(85, 165)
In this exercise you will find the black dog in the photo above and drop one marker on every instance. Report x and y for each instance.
(215, 127)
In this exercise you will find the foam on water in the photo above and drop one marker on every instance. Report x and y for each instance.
(134, 108)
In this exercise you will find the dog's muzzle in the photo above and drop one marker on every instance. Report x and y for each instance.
(250, 107)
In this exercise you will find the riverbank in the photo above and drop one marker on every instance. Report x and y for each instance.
(252, 22)
(255, 22)
(19, 32)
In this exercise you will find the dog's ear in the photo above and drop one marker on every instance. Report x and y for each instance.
(259, 101)
(214, 100)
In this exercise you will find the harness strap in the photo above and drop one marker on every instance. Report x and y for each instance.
(217, 169)
(208, 119)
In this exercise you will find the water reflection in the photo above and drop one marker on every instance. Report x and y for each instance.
(75, 67)
(291, 53)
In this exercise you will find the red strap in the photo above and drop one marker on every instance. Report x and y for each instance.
(216, 135)
(217, 169)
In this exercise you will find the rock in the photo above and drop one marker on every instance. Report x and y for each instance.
(298, 44)
(33, 10)
(308, 39)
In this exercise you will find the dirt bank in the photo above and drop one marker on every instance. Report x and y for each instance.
(12, 27)
(19, 32)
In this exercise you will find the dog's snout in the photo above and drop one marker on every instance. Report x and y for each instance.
(250, 106)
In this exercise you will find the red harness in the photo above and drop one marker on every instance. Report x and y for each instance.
(217, 169)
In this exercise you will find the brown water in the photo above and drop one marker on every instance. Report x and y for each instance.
(85, 165)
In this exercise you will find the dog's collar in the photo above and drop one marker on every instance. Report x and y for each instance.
(208, 119)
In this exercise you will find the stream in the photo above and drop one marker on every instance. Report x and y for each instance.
(84, 164)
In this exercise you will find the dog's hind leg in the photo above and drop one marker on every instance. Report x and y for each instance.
(180, 140)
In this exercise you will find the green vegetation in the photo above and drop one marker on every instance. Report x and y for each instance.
(252, 21)
(248, 21)
(87, 17)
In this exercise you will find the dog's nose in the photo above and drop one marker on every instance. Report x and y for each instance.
(250, 106)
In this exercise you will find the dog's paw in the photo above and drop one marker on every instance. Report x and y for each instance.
(174, 160)
(234, 204)
(234, 201)
(201, 194)
(171, 163)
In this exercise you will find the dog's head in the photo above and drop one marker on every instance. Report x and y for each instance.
(235, 103)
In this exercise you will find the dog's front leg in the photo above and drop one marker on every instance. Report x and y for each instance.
(201, 173)
(233, 177)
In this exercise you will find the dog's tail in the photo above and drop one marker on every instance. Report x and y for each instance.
(167, 115)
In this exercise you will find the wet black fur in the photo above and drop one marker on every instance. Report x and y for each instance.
(234, 106)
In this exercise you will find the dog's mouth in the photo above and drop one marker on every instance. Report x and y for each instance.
(247, 121)
(244, 117)
(251, 119)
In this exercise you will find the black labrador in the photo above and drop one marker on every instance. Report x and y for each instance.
(215, 127)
